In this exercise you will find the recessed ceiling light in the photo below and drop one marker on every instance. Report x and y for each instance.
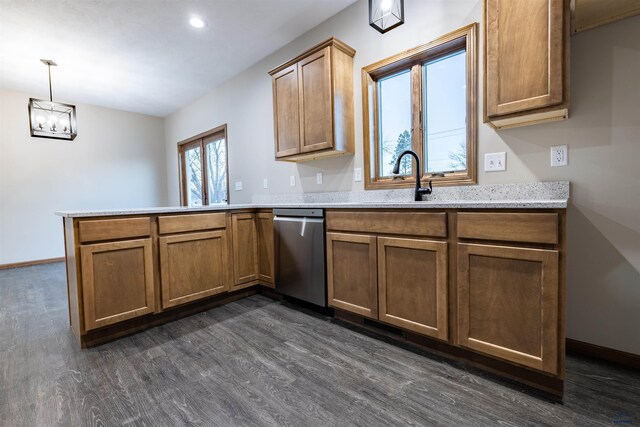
(196, 22)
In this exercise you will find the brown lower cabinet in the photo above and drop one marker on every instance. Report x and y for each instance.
(508, 303)
(412, 285)
(398, 276)
(193, 266)
(124, 273)
(266, 249)
(399, 281)
(245, 248)
(117, 281)
(352, 273)
(193, 253)
(487, 283)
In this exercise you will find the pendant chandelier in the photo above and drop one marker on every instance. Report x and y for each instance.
(385, 15)
(48, 119)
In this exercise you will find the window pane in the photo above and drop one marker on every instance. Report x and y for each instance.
(395, 122)
(217, 171)
(193, 173)
(445, 114)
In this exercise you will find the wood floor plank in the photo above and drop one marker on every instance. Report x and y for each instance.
(256, 362)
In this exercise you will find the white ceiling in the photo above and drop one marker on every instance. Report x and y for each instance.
(142, 55)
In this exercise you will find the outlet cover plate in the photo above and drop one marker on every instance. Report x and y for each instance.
(495, 162)
(238, 185)
(318, 178)
(292, 181)
(559, 155)
(357, 174)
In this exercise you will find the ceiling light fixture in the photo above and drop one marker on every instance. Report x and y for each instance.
(196, 22)
(385, 15)
(48, 119)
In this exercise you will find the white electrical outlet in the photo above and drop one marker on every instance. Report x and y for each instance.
(495, 162)
(292, 181)
(559, 155)
(357, 174)
(319, 178)
(265, 183)
(238, 185)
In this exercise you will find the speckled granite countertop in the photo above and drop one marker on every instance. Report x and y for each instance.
(540, 195)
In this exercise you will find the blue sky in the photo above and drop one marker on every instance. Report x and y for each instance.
(445, 125)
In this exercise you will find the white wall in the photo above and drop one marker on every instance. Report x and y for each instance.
(603, 135)
(117, 160)
(245, 101)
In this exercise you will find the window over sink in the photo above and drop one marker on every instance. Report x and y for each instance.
(425, 100)
(203, 168)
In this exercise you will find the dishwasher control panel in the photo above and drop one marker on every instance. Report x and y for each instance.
(314, 213)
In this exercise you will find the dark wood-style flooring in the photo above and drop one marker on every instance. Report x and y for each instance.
(257, 362)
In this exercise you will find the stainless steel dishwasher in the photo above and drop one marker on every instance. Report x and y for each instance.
(299, 253)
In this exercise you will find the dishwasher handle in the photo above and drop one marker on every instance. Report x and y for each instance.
(303, 220)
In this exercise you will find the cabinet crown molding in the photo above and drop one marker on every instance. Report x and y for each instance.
(332, 42)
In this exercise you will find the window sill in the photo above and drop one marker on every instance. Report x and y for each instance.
(451, 180)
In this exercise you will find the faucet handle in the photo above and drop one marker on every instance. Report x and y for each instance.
(424, 190)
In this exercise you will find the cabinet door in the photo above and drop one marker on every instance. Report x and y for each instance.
(266, 264)
(412, 285)
(286, 111)
(192, 266)
(314, 76)
(508, 303)
(524, 55)
(352, 273)
(245, 248)
(117, 281)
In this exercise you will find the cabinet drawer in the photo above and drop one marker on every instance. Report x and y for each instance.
(405, 223)
(182, 223)
(509, 227)
(109, 229)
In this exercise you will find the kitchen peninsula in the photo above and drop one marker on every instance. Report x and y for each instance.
(476, 273)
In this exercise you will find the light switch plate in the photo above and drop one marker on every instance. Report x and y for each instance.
(559, 155)
(238, 185)
(318, 177)
(495, 162)
(357, 174)
(265, 183)
(292, 181)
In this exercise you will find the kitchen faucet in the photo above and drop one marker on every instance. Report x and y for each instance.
(419, 191)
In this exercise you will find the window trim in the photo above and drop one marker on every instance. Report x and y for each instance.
(194, 141)
(413, 59)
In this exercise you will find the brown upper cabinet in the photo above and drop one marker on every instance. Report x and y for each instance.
(313, 103)
(526, 62)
